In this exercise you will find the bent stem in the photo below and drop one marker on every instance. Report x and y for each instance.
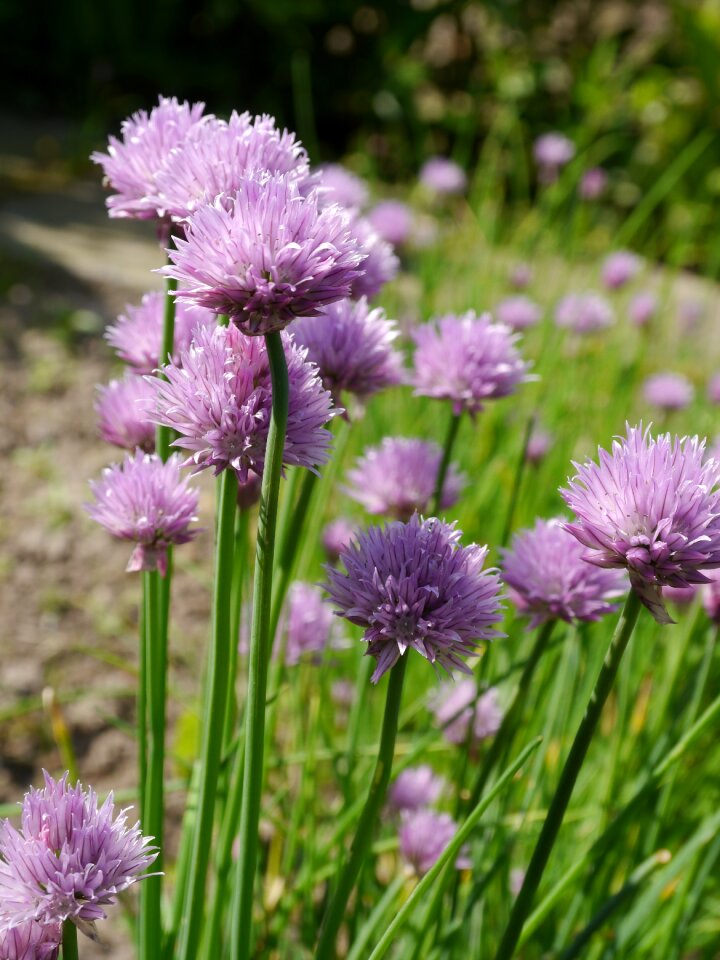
(568, 778)
(364, 831)
(69, 941)
(260, 642)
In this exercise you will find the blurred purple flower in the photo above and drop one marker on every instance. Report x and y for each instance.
(423, 835)
(392, 220)
(339, 185)
(131, 166)
(380, 265)
(336, 536)
(249, 491)
(710, 593)
(690, 313)
(668, 391)
(467, 359)
(458, 708)
(415, 788)
(442, 175)
(70, 858)
(518, 312)
(538, 445)
(147, 502)
(265, 255)
(593, 183)
(517, 879)
(652, 506)
(398, 477)
(521, 276)
(353, 347)
(549, 576)
(309, 622)
(29, 940)
(584, 312)
(136, 335)
(619, 268)
(121, 411)
(713, 388)
(412, 585)
(680, 595)
(552, 151)
(642, 308)
(218, 399)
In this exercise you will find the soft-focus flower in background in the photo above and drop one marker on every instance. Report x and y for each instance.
(680, 596)
(442, 175)
(423, 836)
(398, 477)
(518, 312)
(337, 184)
(392, 220)
(520, 276)
(593, 183)
(642, 308)
(121, 411)
(413, 585)
(552, 151)
(30, 940)
(713, 389)
(336, 536)
(584, 313)
(620, 268)
(147, 502)
(309, 622)
(415, 788)
(380, 265)
(710, 593)
(668, 391)
(538, 445)
(465, 714)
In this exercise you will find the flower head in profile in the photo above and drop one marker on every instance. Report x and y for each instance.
(463, 713)
(668, 391)
(467, 359)
(30, 940)
(218, 399)
(120, 409)
(593, 183)
(442, 175)
(131, 165)
(424, 835)
(309, 623)
(265, 255)
(392, 220)
(71, 857)
(136, 335)
(642, 308)
(337, 184)
(552, 151)
(620, 268)
(413, 586)
(549, 576)
(380, 265)
(217, 156)
(584, 313)
(353, 347)
(518, 312)
(398, 478)
(147, 502)
(415, 788)
(652, 506)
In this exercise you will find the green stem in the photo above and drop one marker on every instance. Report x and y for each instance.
(517, 482)
(163, 435)
(568, 778)
(364, 831)
(217, 682)
(69, 941)
(450, 437)
(260, 642)
(242, 524)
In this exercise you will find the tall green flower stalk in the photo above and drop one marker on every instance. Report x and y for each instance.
(260, 649)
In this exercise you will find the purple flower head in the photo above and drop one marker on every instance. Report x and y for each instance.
(398, 478)
(521, 276)
(584, 313)
(467, 359)
(462, 713)
(336, 536)
(249, 491)
(412, 585)
(70, 858)
(392, 220)
(690, 313)
(642, 308)
(380, 265)
(30, 940)
(218, 156)
(713, 388)
(309, 622)
(538, 445)
(651, 505)
(518, 312)
(136, 335)
(549, 576)
(668, 391)
(423, 835)
(218, 399)
(338, 185)
(120, 408)
(415, 788)
(353, 347)
(619, 268)
(711, 596)
(552, 151)
(442, 175)
(593, 183)
(131, 166)
(265, 255)
(147, 502)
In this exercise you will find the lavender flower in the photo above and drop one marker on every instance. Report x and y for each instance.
(584, 313)
(392, 220)
(131, 167)
(668, 391)
(442, 175)
(713, 389)
(219, 155)
(265, 256)
(30, 940)
(593, 183)
(642, 308)
(538, 445)
(147, 502)
(711, 596)
(137, 334)
(518, 312)
(520, 276)
(423, 835)
(467, 359)
(398, 478)
(415, 788)
(338, 185)
(650, 505)
(552, 151)
(549, 576)
(70, 858)
(120, 409)
(413, 585)
(353, 347)
(309, 623)
(619, 268)
(380, 265)
(336, 536)
(249, 491)
(218, 399)
(462, 713)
